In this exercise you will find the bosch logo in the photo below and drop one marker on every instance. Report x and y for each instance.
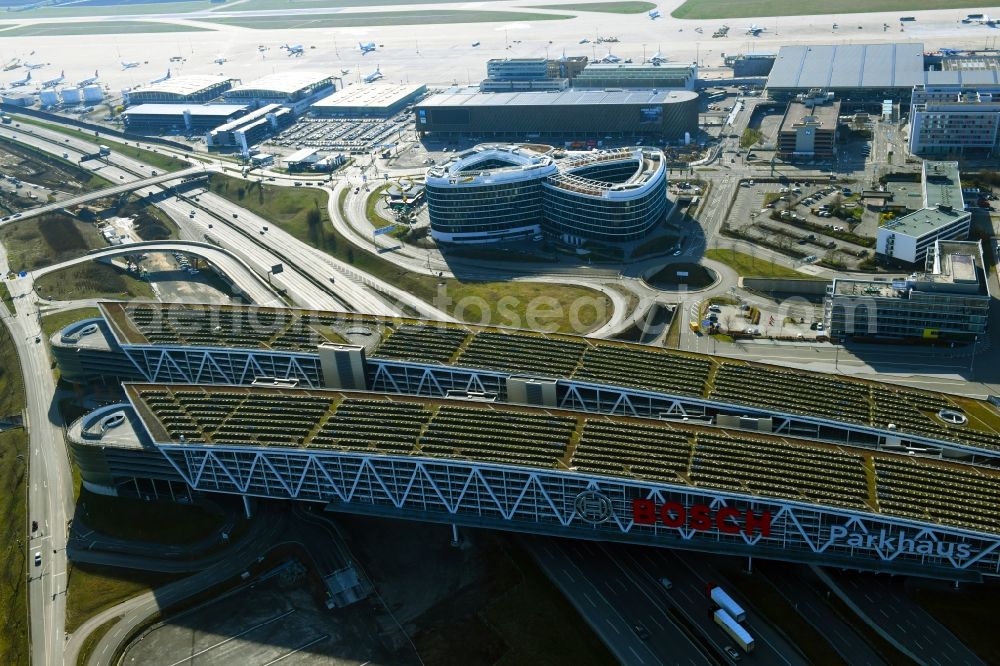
(593, 507)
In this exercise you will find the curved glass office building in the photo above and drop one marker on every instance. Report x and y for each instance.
(612, 196)
(503, 193)
(489, 194)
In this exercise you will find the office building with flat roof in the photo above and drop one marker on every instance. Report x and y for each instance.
(519, 74)
(907, 239)
(809, 129)
(681, 75)
(250, 129)
(588, 114)
(855, 72)
(950, 300)
(180, 118)
(956, 119)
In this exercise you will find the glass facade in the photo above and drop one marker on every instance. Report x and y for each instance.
(485, 212)
(609, 196)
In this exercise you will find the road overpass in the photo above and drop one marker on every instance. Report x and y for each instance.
(241, 274)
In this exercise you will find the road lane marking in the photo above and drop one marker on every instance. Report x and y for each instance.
(632, 650)
(608, 620)
(232, 638)
(589, 600)
(299, 649)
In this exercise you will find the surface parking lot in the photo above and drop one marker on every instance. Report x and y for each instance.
(802, 227)
(343, 134)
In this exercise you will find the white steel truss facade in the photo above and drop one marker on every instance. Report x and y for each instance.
(216, 365)
(563, 504)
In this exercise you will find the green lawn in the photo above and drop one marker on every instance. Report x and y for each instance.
(371, 210)
(724, 9)
(13, 509)
(388, 18)
(621, 7)
(93, 588)
(292, 5)
(60, 320)
(750, 266)
(302, 212)
(92, 640)
(48, 239)
(751, 137)
(97, 28)
(159, 522)
(6, 297)
(67, 11)
(92, 280)
(161, 161)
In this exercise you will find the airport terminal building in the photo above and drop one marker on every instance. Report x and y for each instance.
(502, 194)
(654, 114)
(860, 73)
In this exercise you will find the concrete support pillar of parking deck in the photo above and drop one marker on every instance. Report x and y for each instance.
(246, 506)
(454, 535)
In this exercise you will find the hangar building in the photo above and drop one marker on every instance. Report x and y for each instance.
(373, 99)
(296, 90)
(180, 90)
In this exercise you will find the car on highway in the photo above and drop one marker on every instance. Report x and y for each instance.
(677, 252)
(38, 559)
(731, 652)
(641, 631)
(235, 216)
(665, 582)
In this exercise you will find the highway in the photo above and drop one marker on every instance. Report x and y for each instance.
(50, 481)
(245, 278)
(882, 600)
(109, 192)
(614, 603)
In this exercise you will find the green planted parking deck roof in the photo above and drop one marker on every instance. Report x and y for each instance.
(631, 365)
(636, 449)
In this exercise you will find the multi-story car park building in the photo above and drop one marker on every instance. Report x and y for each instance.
(379, 100)
(656, 114)
(585, 438)
(180, 118)
(854, 72)
(495, 194)
(950, 300)
(250, 129)
(192, 89)
(907, 239)
(678, 75)
(956, 119)
(295, 90)
(809, 129)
